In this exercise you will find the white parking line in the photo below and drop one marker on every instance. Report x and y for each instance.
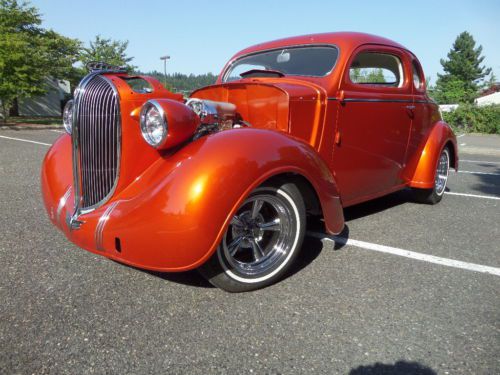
(460, 136)
(56, 131)
(409, 254)
(479, 161)
(25, 140)
(473, 172)
(472, 195)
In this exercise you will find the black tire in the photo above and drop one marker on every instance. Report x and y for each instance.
(257, 251)
(434, 195)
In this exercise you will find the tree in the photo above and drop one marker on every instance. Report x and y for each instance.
(108, 51)
(464, 74)
(367, 75)
(29, 54)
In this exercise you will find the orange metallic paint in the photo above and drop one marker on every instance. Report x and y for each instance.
(182, 122)
(172, 206)
(172, 217)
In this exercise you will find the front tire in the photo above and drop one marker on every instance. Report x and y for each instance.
(261, 242)
(434, 195)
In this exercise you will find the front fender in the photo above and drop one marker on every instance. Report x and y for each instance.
(173, 216)
(421, 168)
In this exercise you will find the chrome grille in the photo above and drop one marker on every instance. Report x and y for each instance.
(97, 133)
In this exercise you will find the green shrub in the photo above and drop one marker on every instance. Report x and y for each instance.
(473, 119)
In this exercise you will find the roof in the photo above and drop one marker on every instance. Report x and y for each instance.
(343, 40)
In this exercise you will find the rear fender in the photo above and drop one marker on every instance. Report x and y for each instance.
(421, 168)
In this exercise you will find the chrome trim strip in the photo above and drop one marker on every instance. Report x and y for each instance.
(62, 203)
(361, 100)
(73, 222)
(99, 230)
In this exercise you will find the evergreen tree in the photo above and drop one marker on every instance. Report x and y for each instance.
(464, 74)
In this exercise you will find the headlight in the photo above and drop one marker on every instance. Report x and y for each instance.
(68, 116)
(154, 125)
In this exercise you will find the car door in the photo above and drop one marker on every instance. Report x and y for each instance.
(422, 113)
(373, 124)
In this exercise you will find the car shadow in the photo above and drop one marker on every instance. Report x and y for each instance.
(398, 368)
(189, 278)
(312, 245)
(488, 184)
(378, 205)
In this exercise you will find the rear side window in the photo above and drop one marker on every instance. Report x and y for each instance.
(375, 68)
(417, 79)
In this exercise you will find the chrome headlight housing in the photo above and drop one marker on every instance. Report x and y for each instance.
(154, 124)
(68, 116)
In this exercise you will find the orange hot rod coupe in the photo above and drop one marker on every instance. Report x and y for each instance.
(223, 182)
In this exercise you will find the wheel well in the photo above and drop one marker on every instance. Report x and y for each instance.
(451, 149)
(311, 199)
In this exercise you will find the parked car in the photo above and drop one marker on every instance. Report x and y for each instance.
(224, 181)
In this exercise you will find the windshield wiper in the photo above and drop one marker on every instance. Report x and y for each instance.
(262, 73)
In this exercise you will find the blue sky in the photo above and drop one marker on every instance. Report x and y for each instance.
(200, 36)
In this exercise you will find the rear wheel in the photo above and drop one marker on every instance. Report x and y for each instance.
(434, 195)
(261, 242)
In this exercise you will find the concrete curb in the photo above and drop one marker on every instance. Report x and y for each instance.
(479, 151)
(31, 127)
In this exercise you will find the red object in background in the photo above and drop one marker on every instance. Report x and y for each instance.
(348, 136)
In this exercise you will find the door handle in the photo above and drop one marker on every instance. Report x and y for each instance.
(410, 110)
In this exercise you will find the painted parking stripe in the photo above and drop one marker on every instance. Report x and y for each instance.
(26, 140)
(56, 131)
(472, 195)
(408, 254)
(487, 173)
(479, 161)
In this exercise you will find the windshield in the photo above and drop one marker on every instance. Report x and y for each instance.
(315, 61)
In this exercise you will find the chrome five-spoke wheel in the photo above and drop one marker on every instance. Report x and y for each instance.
(261, 241)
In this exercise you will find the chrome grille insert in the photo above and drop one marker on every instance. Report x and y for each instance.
(96, 142)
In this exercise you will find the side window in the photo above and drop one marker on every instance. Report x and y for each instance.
(375, 68)
(417, 79)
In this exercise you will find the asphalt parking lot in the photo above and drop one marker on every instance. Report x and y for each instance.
(408, 289)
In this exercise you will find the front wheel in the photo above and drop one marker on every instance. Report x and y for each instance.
(261, 242)
(434, 195)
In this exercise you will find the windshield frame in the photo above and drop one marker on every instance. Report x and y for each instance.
(231, 63)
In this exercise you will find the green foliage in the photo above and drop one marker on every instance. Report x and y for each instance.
(29, 53)
(471, 118)
(107, 50)
(464, 74)
(184, 83)
(364, 75)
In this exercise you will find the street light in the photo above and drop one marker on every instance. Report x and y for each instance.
(165, 58)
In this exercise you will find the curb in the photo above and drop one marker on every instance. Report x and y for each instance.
(31, 127)
(479, 151)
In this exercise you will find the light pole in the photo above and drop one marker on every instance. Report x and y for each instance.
(165, 58)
